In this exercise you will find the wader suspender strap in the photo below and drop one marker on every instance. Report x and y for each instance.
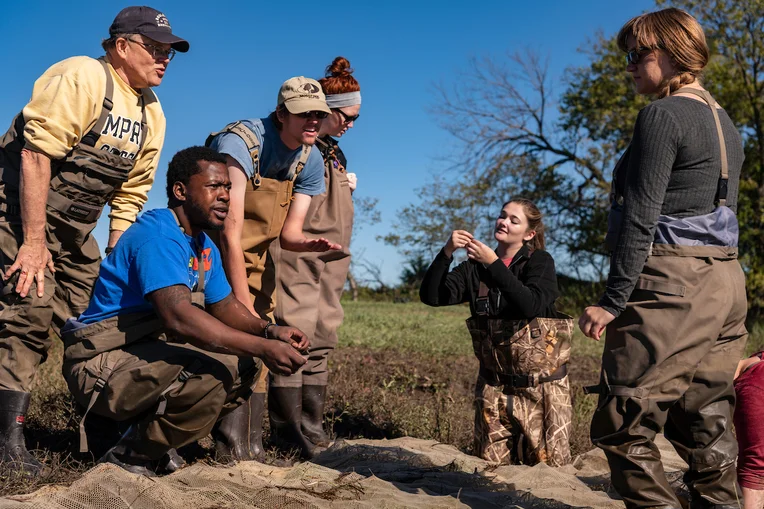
(299, 164)
(92, 136)
(252, 143)
(482, 304)
(721, 190)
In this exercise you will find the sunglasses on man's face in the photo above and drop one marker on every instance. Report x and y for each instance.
(348, 118)
(633, 56)
(312, 114)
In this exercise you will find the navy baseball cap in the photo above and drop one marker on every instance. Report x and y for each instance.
(149, 22)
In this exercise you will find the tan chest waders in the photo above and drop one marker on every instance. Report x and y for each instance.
(266, 204)
(670, 357)
(81, 184)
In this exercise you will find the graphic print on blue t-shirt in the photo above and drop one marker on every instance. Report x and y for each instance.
(153, 254)
(275, 157)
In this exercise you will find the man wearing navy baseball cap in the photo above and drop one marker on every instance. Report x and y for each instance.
(91, 134)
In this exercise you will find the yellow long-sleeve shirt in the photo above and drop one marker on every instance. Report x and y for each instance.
(66, 103)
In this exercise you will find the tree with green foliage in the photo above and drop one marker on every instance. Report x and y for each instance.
(520, 137)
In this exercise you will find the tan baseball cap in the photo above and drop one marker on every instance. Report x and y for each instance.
(301, 94)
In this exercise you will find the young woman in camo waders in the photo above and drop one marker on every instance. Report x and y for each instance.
(675, 303)
(310, 284)
(522, 398)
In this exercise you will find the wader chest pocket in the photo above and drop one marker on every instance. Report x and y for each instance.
(89, 177)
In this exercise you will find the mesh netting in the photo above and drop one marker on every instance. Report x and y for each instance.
(399, 473)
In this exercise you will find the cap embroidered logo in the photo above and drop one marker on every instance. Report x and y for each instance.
(162, 21)
(310, 88)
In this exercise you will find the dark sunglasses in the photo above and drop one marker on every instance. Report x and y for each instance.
(633, 56)
(348, 118)
(312, 114)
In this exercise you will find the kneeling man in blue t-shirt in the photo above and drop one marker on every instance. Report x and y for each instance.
(164, 344)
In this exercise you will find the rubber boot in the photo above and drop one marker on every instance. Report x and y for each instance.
(313, 398)
(171, 462)
(256, 412)
(285, 415)
(231, 434)
(13, 450)
(126, 453)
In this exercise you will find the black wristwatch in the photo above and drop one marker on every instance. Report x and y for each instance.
(265, 329)
(108, 250)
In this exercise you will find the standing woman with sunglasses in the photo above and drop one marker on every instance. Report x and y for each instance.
(675, 303)
(310, 284)
(274, 171)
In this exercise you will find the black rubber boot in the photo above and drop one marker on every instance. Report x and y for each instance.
(256, 412)
(313, 399)
(285, 415)
(171, 462)
(126, 454)
(13, 450)
(231, 434)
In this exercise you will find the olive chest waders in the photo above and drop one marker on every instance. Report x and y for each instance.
(310, 286)
(670, 357)
(126, 368)
(266, 204)
(522, 399)
(81, 184)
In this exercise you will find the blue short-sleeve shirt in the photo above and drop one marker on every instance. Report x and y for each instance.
(154, 253)
(275, 157)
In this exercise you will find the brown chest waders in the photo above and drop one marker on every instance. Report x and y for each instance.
(523, 411)
(127, 368)
(81, 184)
(668, 362)
(310, 285)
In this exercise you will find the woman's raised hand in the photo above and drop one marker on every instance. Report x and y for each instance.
(458, 239)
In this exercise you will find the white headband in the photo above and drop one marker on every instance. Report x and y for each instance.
(343, 100)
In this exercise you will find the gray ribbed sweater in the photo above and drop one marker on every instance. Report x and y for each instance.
(673, 169)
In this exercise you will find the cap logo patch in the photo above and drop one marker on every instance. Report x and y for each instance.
(162, 21)
(310, 88)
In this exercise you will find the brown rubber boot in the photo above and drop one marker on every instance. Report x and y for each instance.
(231, 434)
(256, 412)
(285, 415)
(313, 399)
(14, 456)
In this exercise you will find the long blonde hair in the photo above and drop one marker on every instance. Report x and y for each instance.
(678, 34)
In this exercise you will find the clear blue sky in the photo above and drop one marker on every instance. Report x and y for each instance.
(241, 52)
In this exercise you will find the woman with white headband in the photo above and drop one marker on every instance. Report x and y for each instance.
(310, 284)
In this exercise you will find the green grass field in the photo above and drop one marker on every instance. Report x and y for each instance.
(399, 370)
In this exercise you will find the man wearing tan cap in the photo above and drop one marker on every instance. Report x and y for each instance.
(90, 135)
(274, 173)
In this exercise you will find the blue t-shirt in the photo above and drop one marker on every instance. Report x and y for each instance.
(275, 157)
(153, 253)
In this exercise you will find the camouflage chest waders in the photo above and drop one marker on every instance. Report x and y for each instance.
(670, 357)
(125, 368)
(522, 399)
(310, 284)
(81, 184)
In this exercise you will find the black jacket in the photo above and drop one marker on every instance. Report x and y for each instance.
(526, 289)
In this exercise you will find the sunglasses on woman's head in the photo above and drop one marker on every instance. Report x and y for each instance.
(633, 56)
(312, 114)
